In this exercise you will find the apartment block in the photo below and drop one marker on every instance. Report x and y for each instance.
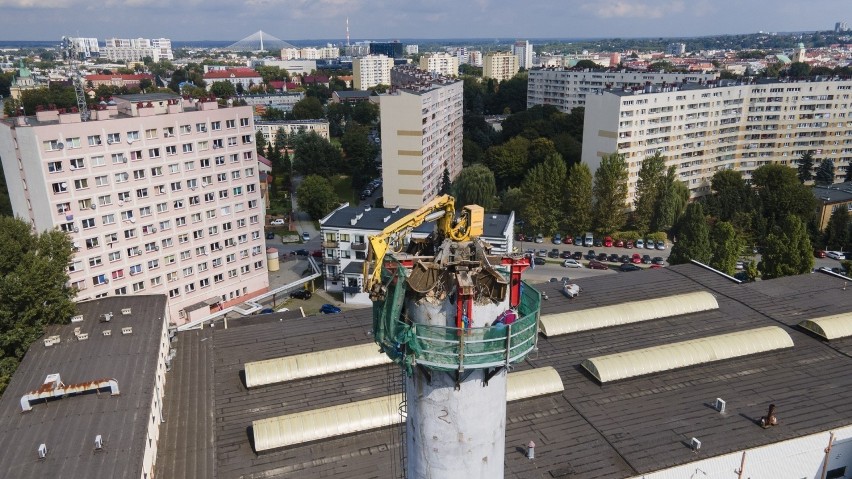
(346, 231)
(371, 70)
(440, 63)
(269, 129)
(524, 51)
(86, 47)
(135, 49)
(499, 65)
(702, 129)
(421, 120)
(567, 89)
(158, 194)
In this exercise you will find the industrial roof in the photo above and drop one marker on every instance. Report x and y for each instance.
(68, 426)
(626, 313)
(614, 430)
(830, 327)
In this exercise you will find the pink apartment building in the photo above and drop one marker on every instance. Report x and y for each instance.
(159, 194)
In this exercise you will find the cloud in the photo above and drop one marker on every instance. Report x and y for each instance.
(36, 4)
(633, 9)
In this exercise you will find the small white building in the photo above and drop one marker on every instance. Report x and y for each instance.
(345, 235)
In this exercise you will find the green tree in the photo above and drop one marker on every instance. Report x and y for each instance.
(837, 230)
(512, 200)
(578, 199)
(360, 155)
(307, 108)
(731, 195)
(472, 153)
(5, 201)
(649, 187)
(693, 237)
(726, 247)
(781, 194)
(671, 203)
(475, 186)
(145, 84)
(316, 196)
(847, 177)
(609, 193)
(509, 161)
(799, 70)
(56, 94)
(542, 191)
(583, 64)
(259, 142)
(33, 291)
(447, 183)
(316, 156)
(540, 150)
(787, 251)
(806, 167)
(365, 112)
(825, 173)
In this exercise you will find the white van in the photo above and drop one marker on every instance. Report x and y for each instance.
(589, 239)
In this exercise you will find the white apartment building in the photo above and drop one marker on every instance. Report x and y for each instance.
(440, 63)
(371, 70)
(135, 49)
(500, 65)
(412, 49)
(421, 120)
(701, 129)
(159, 196)
(568, 89)
(474, 57)
(346, 231)
(86, 47)
(269, 129)
(523, 49)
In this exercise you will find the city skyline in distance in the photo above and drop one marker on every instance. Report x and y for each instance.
(384, 19)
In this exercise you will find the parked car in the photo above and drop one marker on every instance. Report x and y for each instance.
(649, 244)
(557, 238)
(301, 294)
(578, 255)
(646, 259)
(329, 309)
(640, 243)
(278, 222)
(578, 240)
(317, 253)
(306, 236)
(568, 239)
(602, 257)
(594, 264)
(655, 266)
(658, 260)
(613, 258)
(636, 258)
(627, 267)
(661, 245)
(365, 194)
(554, 253)
(598, 243)
(520, 237)
(628, 245)
(591, 254)
(301, 252)
(571, 263)
(619, 243)
(607, 242)
(539, 261)
(542, 253)
(624, 258)
(270, 235)
(266, 311)
(589, 240)
(818, 253)
(835, 254)
(565, 255)
(539, 238)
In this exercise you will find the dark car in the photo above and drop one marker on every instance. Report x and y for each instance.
(578, 240)
(554, 253)
(628, 245)
(301, 252)
(646, 259)
(619, 243)
(565, 255)
(329, 309)
(539, 260)
(591, 254)
(818, 253)
(520, 237)
(267, 311)
(578, 255)
(627, 267)
(598, 242)
(602, 257)
(613, 258)
(594, 264)
(658, 260)
(317, 253)
(624, 258)
(270, 235)
(301, 294)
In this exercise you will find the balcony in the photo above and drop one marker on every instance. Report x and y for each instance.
(329, 244)
(330, 260)
(359, 246)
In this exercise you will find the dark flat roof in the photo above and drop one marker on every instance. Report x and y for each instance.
(619, 429)
(68, 426)
(836, 193)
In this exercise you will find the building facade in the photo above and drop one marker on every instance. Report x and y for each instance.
(568, 89)
(371, 70)
(86, 47)
(269, 129)
(245, 77)
(499, 65)
(421, 121)
(345, 235)
(388, 49)
(159, 196)
(702, 129)
(118, 80)
(523, 49)
(136, 49)
(440, 63)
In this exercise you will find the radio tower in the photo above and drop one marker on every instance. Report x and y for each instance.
(69, 46)
(347, 31)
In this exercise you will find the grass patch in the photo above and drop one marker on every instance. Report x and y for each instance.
(343, 188)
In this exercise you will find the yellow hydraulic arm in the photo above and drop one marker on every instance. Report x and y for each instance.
(442, 210)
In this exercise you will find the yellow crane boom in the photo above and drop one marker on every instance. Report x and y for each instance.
(442, 210)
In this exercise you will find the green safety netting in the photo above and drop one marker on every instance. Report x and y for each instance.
(447, 348)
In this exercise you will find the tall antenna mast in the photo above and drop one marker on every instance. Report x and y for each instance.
(261, 40)
(347, 31)
(69, 46)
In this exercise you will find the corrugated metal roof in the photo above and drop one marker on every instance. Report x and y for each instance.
(625, 313)
(830, 327)
(532, 383)
(290, 429)
(271, 371)
(687, 353)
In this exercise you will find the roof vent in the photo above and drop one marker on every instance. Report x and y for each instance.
(51, 340)
(53, 387)
(42, 451)
(353, 220)
(386, 219)
(77, 319)
(395, 210)
(695, 444)
(126, 311)
(127, 330)
(106, 317)
(368, 208)
(99, 442)
(720, 405)
(82, 336)
(107, 332)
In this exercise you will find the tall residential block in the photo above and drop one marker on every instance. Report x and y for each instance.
(136, 49)
(158, 194)
(421, 120)
(371, 70)
(523, 49)
(440, 63)
(499, 65)
(567, 89)
(702, 129)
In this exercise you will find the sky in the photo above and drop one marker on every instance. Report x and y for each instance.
(390, 19)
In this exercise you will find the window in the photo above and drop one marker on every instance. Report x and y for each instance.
(213, 230)
(113, 138)
(250, 188)
(137, 287)
(121, 177)
(244, 121)
(135, 269)
(52, 145)
(246, 139)
(114, 256)
(138, 174)
(211, 214)
(217, 262)
(120, 291)
(61, 208)
(247, 155)
(180, 221)
(142, 193)
(123, 196)
(249, 171)
(166, 225)
(235, 175)
(226, 210)
(174, 168)
(99, 280)
(216, 125)
(95, 140)
(72, 142)
(171, 150)
(208, 197)
(154, 264)
(183, 238)
(217, 143)
(188, 165)
(173, 293)
(184, 255)
(175, 186)
(54, 167)
(178, 204)
(185, 129)
(232, 141)
(156, 281)
(151, 134)
(88, 223)
(153, 153)
(170, 259)
(204, 283)
(77, 163)
(127, 215)
(205, 162)
(220, 177)
(145, 211)
(223, 194)
(201, 127)
(118, 158)
(189, 288)
(151, 247)
(230, 124)
(169, 131)
(226, 226)
(92, 243)
(85, 203)
(157, 171)
(81, 184)
(129, 234)
(192, 183)
(162, 207)
(220, 160)
(133, 135)
(98, 160)
(160, 189)
(95, 261)
(108, 219)
(117, 274)
(75, 266)
(201, 251)
(238, 191)
(234, 158)
(187, 147)
(218, 278)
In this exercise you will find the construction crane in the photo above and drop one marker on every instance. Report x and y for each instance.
(69, 47)
(442, 210)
